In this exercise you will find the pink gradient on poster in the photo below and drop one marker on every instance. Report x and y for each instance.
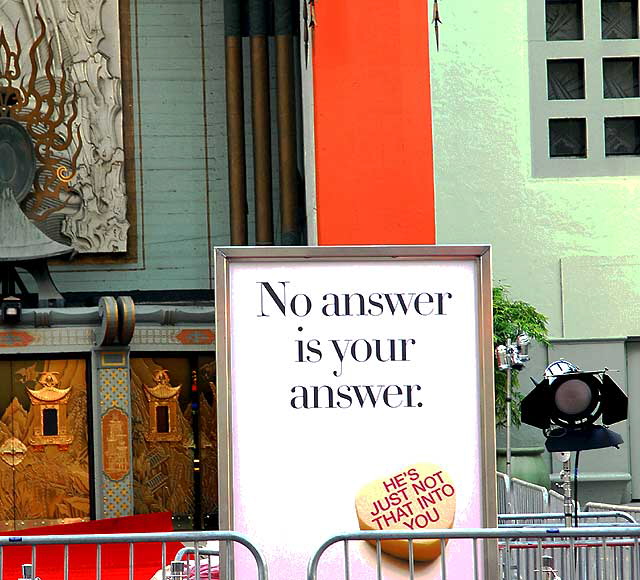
(302, 450)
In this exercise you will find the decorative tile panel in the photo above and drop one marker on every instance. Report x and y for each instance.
(113, 389)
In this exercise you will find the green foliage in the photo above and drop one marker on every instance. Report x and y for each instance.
(510, 318)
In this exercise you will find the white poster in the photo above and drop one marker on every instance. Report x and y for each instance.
(354, 386)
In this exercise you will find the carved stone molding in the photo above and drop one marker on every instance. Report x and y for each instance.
(85, 36)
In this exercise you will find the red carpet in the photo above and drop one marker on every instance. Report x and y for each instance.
(83, 558)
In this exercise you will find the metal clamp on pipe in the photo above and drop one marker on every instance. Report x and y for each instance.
(27, 572)
(178, 570)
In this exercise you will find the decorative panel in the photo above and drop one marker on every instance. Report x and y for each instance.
(115, 433)
(88, 208)
(175, 452)
(44, 473)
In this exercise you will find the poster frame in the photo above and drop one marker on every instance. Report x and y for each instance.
(480, 255)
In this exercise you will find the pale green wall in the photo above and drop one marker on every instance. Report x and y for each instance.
(485, 192)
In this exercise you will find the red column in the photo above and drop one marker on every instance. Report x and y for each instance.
(374, 153)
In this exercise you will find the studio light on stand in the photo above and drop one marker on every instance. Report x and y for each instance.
(566, 404)
(511, 356)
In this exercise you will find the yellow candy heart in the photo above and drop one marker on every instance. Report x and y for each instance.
(419, 497)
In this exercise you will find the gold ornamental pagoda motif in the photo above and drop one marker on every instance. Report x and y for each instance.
(163, 408)
(49, 403)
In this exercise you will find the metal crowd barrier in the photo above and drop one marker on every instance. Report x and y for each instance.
(518, 497)
(169, 567)
(584, 518)
(631, 513)
(582, 553)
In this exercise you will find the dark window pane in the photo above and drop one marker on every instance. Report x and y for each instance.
(565, 79)
(619, 19)
(564, 19)
(622, 136)
(620, 77)
(162, 419)
(567, 137)
(49, 421)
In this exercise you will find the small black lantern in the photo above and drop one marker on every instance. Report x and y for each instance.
(11, 310)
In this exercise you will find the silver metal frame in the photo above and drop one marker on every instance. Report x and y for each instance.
(224, 256)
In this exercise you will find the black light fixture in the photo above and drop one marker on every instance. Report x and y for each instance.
(566, 404)
(11, 310)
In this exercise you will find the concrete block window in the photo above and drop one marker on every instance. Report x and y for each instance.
(584, 62)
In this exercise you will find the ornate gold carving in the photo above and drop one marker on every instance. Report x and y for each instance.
(63, 174)
(13, 451)
(81, 51)
(48, 109)
(115, 444)
(51, 484)
(50, 397)
(162, 395)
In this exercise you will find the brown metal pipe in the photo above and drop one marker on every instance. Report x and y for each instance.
(287, 138)
(260, 112)
(235, 141)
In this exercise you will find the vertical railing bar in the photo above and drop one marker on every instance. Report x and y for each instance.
(228, 549)
(605, 568)
(539, 556)
(65, 562)
(99, 562)
(164, 561)
(636, 546)
(346, 559)
(379, 559)
(619, 559)
(572, 558)
(507, 557)
(1, 562)
(33, 561)
(475, 558)
(131, 567)
(411, 561)
(197, 559)
(443, 560)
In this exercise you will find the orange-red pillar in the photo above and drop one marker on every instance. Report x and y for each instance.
(374, 154)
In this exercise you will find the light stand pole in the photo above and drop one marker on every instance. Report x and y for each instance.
(511, 356)
(508, 399)
(565, 478)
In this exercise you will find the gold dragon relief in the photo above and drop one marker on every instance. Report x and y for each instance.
(168, 400)
(43, 445)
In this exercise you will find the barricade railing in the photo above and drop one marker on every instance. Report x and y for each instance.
(581, 553)
(128, 570)
(516, 496)
(614, 517)
(632, 513)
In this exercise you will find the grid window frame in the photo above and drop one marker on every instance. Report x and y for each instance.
(594, 108)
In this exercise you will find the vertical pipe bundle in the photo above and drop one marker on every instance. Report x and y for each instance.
(261, 119)
(235, 122)
(262, 23)
(284, 27)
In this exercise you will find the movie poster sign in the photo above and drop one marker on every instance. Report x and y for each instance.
(355, 391)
